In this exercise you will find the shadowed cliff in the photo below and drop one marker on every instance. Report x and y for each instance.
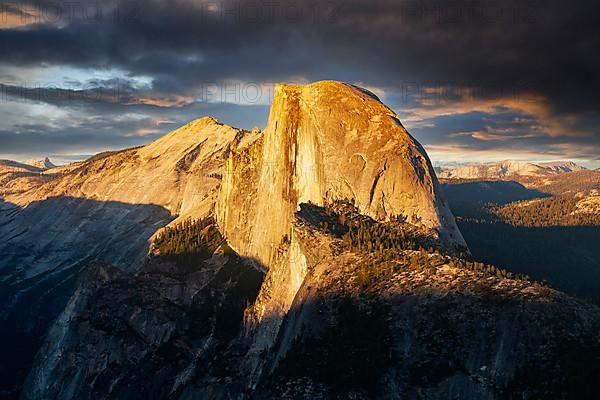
(44, 246)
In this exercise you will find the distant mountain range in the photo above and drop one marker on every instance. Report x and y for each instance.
(505, 169)
(42, 164)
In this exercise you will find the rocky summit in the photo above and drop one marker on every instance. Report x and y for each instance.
(42, 164)
(316, 259)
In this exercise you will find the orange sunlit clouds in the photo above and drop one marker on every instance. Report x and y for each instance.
(534, 110)
(168, 101)
(15, 16)
(10, 20)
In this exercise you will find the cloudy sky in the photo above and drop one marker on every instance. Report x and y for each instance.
(471, 80)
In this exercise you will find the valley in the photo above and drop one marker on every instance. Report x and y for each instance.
(546, 227)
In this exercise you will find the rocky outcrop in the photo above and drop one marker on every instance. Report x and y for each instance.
(411, 332)
(42, 164)
(328, 141)
(323, 142)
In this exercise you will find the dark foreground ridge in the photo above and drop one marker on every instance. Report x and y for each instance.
(396, 320)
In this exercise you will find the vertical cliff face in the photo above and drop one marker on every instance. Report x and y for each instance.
(328, 141)
(323, 142)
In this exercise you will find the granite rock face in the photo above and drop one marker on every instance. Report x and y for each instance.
(323, 142)
(329, 141)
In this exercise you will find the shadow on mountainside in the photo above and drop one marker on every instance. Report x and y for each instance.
(498, 192)
(169, 324)
(437, 346)
(44, 247)
(565, 256)
(167, 342)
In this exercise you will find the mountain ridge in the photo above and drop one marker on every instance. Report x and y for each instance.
(107, 208)
(506, 169)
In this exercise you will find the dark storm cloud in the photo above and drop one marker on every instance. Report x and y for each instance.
(548, 46)
(543, 49)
